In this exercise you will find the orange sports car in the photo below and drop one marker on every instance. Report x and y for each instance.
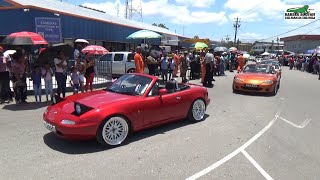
(257, 78)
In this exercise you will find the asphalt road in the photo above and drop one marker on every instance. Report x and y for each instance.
(243, 137)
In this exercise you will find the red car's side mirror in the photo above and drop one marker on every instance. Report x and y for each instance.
(163, 92)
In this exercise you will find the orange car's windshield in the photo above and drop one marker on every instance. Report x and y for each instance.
(256, 69)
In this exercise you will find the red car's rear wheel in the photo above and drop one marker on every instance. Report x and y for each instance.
(113, 131)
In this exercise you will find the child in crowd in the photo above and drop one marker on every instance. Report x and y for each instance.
(36, 78)
(47, 74)
(171, 68)
(75, 80)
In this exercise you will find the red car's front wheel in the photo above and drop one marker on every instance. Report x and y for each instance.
(197, 110)
(113, 131)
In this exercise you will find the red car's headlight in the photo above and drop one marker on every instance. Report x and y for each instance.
(80, 109)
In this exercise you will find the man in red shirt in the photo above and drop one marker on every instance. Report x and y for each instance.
(138, 61)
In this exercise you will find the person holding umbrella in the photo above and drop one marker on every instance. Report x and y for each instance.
(89, 74)
(60, 63)
(19, 76)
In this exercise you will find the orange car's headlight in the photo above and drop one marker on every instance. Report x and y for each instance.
(238, 80)
(269, 82)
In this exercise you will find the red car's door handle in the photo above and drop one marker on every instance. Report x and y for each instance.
(178, 97)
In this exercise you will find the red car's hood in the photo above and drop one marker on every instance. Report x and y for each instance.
(254, 76)
(103, 97)
(93, 99)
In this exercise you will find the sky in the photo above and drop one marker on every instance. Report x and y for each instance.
(214, 19)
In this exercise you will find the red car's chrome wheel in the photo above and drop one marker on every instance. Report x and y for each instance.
(113, 131)
(197, 110)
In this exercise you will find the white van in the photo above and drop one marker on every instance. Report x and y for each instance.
(122, 63)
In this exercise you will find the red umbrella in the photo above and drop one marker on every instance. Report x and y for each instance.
(94, 49)
(24, 38)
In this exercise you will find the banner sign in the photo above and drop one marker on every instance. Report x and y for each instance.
(49, 29)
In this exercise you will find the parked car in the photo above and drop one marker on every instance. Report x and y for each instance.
(257, 78)
(119, 63)
(132, 103)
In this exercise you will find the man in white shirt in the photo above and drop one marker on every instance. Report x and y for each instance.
(209, 61)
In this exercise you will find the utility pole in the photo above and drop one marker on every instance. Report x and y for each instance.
(278, 45)
(227, 37)
(236, 26)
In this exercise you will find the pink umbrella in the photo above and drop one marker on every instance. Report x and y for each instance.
(94, 49)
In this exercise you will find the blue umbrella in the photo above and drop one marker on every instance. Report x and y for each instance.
(310, 51)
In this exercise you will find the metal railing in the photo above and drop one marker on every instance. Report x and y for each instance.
(102, 78)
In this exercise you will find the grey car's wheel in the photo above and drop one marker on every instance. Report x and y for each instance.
(131, 71)
(197, 110)
(113, 131)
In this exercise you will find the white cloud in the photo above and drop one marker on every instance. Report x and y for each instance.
(176, 14)
(251, 36)
(198, 3)
(114, 8)
(253, 10)
(299, 2)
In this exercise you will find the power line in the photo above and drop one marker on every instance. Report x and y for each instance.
(258, 4)
(312, 30)
(291, 30)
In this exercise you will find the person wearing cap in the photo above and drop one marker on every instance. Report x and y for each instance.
(5, 65)
(138, 61)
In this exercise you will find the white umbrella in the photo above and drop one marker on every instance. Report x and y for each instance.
(9, 52)
(220, 49)
(81, 41)
(246, 55)
(265, 54)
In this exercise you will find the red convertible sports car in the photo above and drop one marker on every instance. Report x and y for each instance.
(134, 102)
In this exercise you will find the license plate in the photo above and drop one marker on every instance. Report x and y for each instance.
(251, 85)
(50, 127)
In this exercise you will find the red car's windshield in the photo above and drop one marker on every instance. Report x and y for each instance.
(131, 84)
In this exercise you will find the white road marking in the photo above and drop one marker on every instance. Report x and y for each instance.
(260, 169)
(303, 125)
(234, 153)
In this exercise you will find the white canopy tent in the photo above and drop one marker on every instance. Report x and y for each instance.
(265, 54)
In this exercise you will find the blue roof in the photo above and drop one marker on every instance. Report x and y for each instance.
(63, 7)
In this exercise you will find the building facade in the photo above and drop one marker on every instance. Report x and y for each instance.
(271, 47)
(62, 22)
(244, 47)
(301, 43)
